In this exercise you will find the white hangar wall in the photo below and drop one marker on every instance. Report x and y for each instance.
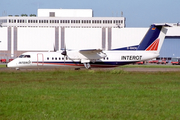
(83, 38)
(3, 39)
(44, 39)
(173, 32)
(127, 37)
(35, 39)
(94, 38)
(16, 40)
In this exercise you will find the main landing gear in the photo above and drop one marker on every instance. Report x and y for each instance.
(87, 65)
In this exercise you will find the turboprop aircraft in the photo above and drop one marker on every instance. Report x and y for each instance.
(149, 48)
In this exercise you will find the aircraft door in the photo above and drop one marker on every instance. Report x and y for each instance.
(40, 59)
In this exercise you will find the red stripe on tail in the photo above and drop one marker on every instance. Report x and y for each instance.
(153, 46)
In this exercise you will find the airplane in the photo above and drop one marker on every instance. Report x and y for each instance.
(149, 48)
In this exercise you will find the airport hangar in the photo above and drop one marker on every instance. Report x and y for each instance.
(73, 29)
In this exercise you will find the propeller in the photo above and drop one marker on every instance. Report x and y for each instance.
(65, 54)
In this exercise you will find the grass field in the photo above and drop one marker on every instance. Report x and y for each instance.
(115, 94)
(2, 66)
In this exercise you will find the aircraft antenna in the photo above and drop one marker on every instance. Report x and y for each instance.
(121, 13)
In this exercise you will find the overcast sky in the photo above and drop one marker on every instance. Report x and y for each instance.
(138, 13)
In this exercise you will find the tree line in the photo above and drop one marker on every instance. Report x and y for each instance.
(25, 15)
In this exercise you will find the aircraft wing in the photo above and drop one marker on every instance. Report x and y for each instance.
(89, 54)
(90, 51)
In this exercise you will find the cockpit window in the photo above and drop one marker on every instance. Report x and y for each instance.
(24, 56)
(21, 56)
(27, 56)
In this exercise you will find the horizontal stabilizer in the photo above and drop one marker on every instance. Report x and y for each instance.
(163, 24)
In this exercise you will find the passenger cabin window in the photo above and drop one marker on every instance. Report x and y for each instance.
(48, 58)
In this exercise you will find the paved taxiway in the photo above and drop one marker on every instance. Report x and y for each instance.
(138, 69)
(119, 68)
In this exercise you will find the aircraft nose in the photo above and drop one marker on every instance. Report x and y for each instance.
(9, 65)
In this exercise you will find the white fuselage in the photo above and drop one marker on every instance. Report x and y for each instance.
(74, 58)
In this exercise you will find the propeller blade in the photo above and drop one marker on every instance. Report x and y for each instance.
(64, 52)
